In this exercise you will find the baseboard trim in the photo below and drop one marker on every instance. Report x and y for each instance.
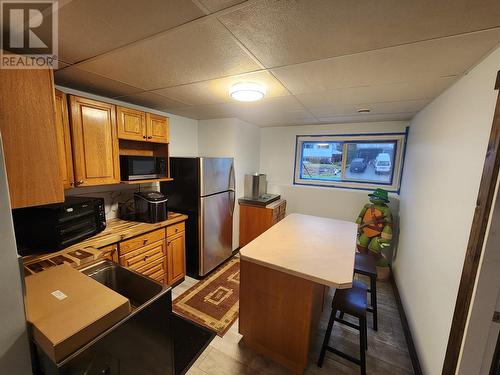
(406, 329)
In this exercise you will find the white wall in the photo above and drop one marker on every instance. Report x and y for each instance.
(444, 162)
(277, 160)
(14, 349)
(481, 333)
(232, 137)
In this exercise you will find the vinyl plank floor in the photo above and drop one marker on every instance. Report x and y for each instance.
(387, 351)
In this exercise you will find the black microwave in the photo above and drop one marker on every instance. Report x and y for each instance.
(142, 167)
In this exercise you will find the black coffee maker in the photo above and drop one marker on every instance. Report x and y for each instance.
(150, 206)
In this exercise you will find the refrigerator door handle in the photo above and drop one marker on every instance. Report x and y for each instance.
(233, 203)
(232, 184)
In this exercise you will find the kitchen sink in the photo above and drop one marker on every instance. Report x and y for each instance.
(137, 288)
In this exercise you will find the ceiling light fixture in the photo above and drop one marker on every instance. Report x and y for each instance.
(364, 110)
(247, 91)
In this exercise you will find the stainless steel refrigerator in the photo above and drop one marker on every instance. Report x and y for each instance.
(203, 189)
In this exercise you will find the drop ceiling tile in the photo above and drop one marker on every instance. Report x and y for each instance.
(407, 106)
(290, 31)
(217, 90)
(91, 27)
(61, 65)
(276, 118)
(151, 100)
(198, 51)
(216, 5)
(75, 78)
(362, 117)
(270, 109)
(424, 89)
(409, 63)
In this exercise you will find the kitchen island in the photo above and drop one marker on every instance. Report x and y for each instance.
(283, 277)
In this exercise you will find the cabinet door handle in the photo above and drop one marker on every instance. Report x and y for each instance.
(79, 182)
(144, 137)
(149, 137)
(145, 241)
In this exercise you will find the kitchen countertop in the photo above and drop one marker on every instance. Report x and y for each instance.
(116, 230)
(314, 248)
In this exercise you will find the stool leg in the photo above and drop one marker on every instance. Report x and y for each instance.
(373, 300)
(327, 338)
(366, 334)
(362, 342)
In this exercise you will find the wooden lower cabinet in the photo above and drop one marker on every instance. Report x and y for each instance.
(176, 262)
(110, 252)
(155, 254)
(255, 220)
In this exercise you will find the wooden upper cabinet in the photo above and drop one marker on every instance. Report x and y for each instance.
(28, 134)
(131, 124)
(95, 142)
(64, 140)
(157, 128)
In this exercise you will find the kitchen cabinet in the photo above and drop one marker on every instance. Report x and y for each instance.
(255, 220)
(159, 254)
(136, 125)
(131, 124)
(110, 252)
(157, 128)
(176, 263)
(95, 142)
(63, 138)
(28, 132)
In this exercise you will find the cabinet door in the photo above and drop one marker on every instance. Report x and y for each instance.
(95, 144)
(110, 252)
(157, 128)
(131, 124)
(28, 134)
(176, 264)
(64, 140)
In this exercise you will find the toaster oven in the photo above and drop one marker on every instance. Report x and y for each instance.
(54, 227)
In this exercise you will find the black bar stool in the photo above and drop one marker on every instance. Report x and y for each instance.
(351, 302)
(364, 264)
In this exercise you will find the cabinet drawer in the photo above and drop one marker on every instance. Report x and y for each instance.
(152, 267)
(110, 252)
(137, 258)
(140, 241)
(282, 208)
(174, 229)
(159, 276)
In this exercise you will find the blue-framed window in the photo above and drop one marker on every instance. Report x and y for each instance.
(356, 161)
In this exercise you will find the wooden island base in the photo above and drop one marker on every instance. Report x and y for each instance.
(278, 314)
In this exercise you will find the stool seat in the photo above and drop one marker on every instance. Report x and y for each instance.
(365, 264)
(351, 301)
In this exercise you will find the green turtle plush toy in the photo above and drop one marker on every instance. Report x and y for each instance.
(375, 226)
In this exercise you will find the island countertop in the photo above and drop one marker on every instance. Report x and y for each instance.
(314, 248)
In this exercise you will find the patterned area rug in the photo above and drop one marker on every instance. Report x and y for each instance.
(213, 302)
